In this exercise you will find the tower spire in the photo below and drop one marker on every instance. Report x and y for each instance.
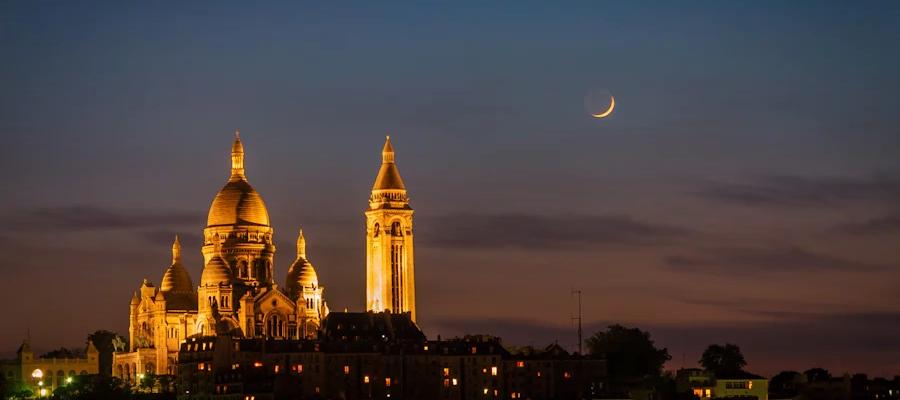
(388, 175)
(176, 250)
(237, 156)
(301, 245)
(387, 153)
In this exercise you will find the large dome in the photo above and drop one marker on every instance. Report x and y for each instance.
(238, 204)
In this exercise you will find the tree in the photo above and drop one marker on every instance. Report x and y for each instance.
(817, 375)
(723, 360)
(784, 385)
(106, 343)
(91, 387)
(11, 389)
(631, 355)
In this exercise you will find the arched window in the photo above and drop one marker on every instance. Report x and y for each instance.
(396, 230)
(242, 269)
(376, 230)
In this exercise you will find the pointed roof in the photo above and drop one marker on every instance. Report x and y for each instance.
(388, 176)
(237, 156)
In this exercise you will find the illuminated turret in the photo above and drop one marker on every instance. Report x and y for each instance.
(390, 277)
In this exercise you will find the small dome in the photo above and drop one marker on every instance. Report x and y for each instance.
(216, 272)
(301, 274)
(176, 278)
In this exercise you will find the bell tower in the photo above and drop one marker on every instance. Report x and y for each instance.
(390, 267)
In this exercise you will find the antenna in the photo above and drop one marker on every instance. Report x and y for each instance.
(578, 292)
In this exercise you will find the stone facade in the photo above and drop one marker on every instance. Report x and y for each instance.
(237, 294)
(48, 373)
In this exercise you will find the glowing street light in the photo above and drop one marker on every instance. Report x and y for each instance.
(69, 380)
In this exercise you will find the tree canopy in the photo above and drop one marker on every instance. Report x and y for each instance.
(90, 387)
(630, 354)
(106, 342)
(722, 360)
(784, 384)
(817, 375)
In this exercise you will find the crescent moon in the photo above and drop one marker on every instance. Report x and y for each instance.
(612, 105)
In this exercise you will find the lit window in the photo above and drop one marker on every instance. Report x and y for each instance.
(749, 384)
(455, 382)
(520, 364)
(493, 371)
(446, 371)
(708, 393)
(485, 390)
(426, 347)
(539, 374)
(346, 370)
(366, 379)
(698, 392)
(446, 382)
(566, 375)
(387, 382)
(474, 350)
(276, 369)
(299, 368)
(258, 364)
(200, 366)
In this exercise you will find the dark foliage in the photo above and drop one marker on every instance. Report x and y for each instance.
(785, 384)
(105, 342)
(93, 387)
(631, 355)
(723, 360)
(817, 375)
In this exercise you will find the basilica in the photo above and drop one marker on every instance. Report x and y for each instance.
(238, 295)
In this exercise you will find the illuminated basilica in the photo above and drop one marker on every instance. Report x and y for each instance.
(238, 296)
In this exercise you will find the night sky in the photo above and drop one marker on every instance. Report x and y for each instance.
(746, 188)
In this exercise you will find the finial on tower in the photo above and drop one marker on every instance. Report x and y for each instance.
(301, 245)
(176, 250)
(237, 156)
(387, 153)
